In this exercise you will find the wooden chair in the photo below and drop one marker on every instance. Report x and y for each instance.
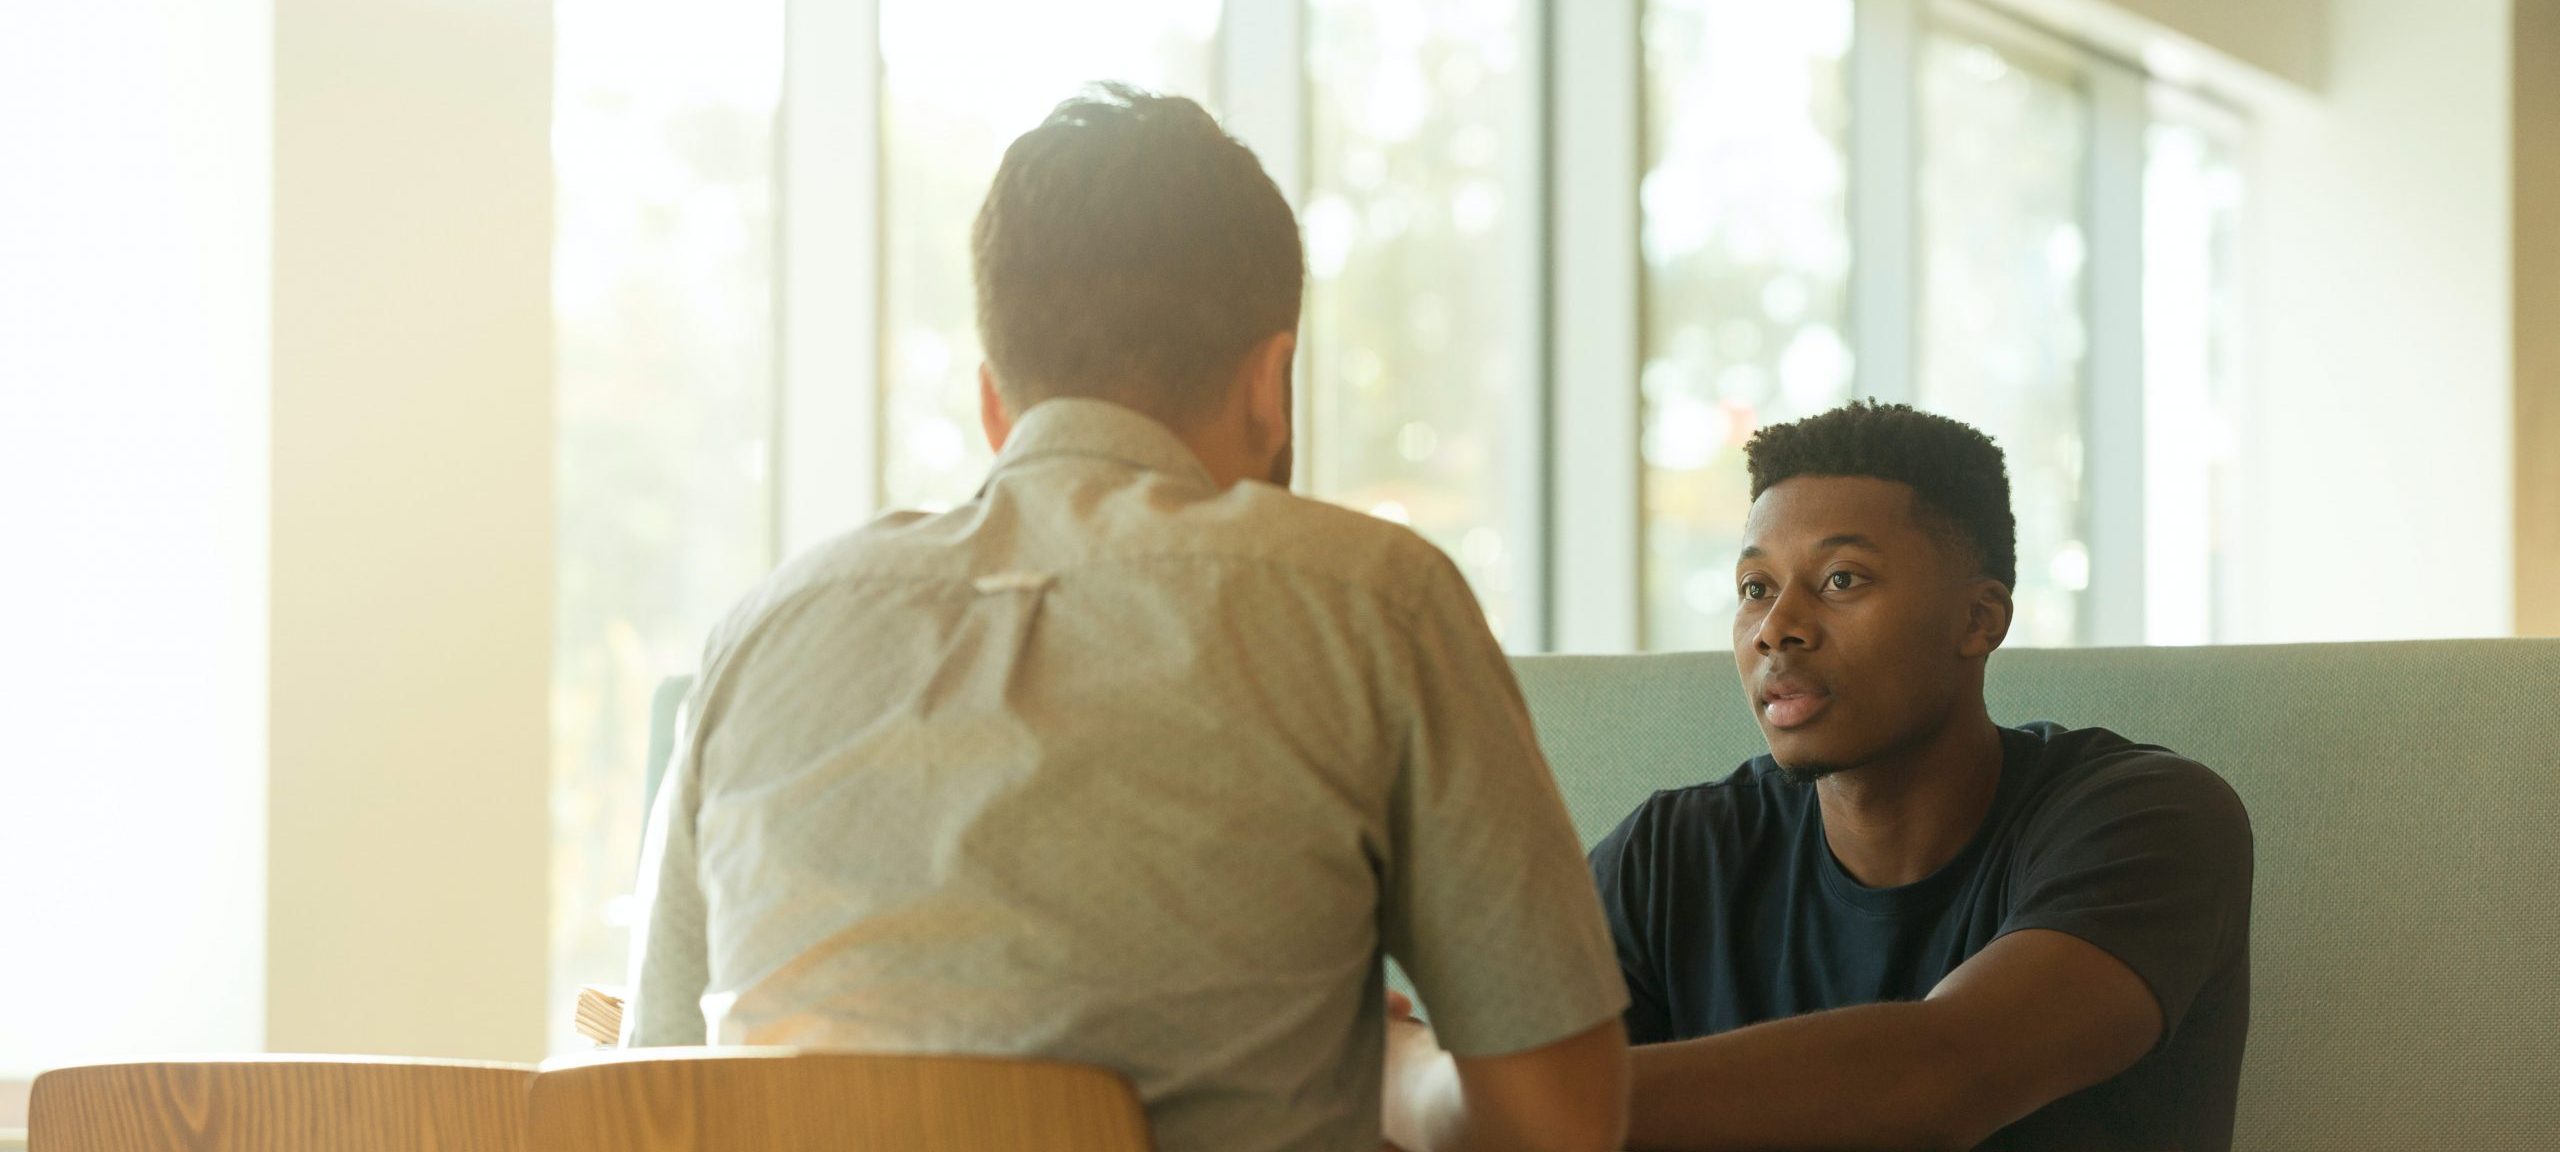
(788, 1100)
(281, 1104)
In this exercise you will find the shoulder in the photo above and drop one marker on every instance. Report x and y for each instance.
(1295, 535)
(884, 549)
(2092, 777)
(1092, 512)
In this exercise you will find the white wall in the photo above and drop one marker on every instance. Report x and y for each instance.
(2283, 40)
(2379, 478)
(2280, 37)
(134, 165)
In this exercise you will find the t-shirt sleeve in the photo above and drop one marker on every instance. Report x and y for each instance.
(2150, 859)
(1488, 906)
(1623, 868)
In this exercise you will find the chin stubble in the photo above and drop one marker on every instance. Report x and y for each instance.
(1808, 773)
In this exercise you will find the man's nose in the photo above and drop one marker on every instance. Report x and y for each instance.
(1789, 622)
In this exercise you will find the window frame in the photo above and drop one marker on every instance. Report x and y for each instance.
(1885, 232)
(1526, 518)
(1577, 499)
(2111, 609)
(2230, 128)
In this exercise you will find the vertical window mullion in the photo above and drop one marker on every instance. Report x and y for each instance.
(1883, 204)
(1532, 478)
(1262, 87)
(2114, 610)
(1262, 99)
(1595, 148)
(827, 410)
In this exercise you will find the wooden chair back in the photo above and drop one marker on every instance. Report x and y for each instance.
(789, 1100)
(281, 1104)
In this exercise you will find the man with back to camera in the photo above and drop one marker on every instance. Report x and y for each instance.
(1136, 759)
(1907, 926)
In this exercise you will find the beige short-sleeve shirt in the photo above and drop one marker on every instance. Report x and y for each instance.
(1111, 765)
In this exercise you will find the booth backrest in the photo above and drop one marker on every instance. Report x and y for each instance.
(2406, 803)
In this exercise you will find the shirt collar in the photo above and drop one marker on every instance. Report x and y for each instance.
(1077, 426)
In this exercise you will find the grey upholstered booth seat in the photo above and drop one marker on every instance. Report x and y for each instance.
(2406, 802)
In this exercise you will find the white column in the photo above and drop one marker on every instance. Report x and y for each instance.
(408, 860)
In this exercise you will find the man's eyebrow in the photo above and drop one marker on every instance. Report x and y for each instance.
(1829, 543)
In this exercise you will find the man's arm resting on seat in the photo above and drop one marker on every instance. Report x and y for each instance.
(1569, 1096)
(2030, 1019)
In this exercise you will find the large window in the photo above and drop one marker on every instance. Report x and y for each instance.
(953, 95)
(1775, 206)
(1422, 332)
(2052, 264)
(662, 293)
(2004, 153)
(2192, 196)
(1746, 262)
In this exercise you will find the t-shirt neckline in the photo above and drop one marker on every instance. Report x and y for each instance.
(2017, 751)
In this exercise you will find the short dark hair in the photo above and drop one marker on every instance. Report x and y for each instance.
(1959, 477)
(1131, 250)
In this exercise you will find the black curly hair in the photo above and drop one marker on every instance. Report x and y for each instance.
(1958, 475)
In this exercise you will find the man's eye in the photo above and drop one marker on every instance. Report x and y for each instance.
(1754, 590)
(1841, 581)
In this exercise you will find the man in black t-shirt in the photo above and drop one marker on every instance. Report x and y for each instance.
(1907, 926)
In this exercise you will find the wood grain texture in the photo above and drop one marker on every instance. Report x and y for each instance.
(785, 1100)
(281, 1104)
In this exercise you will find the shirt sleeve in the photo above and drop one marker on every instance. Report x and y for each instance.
(670, 947)
(1622, 868)
(1488, 906)
(2151, 861)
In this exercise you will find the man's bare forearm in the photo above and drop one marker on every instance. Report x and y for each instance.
(1877, 1076)
(1569, 1096)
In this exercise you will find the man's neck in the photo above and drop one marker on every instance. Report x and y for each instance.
(1898, 820)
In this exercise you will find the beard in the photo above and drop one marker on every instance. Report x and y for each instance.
(1810, 771)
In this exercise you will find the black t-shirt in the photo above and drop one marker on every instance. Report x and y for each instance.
(1729, 910)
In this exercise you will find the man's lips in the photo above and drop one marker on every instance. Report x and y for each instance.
(1786, 712)
(1791, 701)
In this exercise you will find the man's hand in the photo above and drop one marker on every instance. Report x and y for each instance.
(1569, 1096)
(1416, 1068)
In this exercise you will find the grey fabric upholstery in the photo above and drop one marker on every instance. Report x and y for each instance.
(2406, 804)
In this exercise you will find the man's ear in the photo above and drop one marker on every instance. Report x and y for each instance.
(1270, 407)
(1987, 618)
(1266, 384)
(992, 418)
